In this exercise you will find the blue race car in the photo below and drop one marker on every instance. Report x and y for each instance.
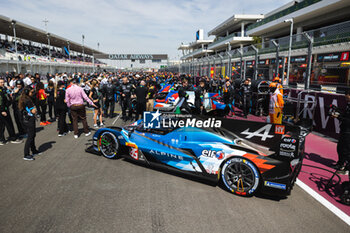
(242, 166)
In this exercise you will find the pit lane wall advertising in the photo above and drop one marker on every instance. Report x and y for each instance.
(318, 111)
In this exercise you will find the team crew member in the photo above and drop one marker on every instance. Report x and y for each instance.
(95, 96)
(246, 97)
(228, 94)
(50, 92)
(141, 94)
(199, 97)
(16, 112)
(277, 80)
(75, 97)
(109, 90)
(126, 91)
(26, 105)
(41, 96)
(150, 97)
(183, 94)
(62, 109)
(343, 147)
(276, 104)
(5, 118)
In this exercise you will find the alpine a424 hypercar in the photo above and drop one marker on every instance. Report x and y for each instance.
(243, 165)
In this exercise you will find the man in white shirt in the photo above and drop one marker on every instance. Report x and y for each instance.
(27, 80)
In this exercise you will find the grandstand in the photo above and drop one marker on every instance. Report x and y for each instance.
(24, 48)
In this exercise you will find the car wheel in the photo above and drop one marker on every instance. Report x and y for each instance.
(109, 145)
(240, 176)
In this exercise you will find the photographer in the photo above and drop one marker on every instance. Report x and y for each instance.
(343, 147)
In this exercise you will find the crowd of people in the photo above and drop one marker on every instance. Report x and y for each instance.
(54, 97)
(29, 49)
(134, 91)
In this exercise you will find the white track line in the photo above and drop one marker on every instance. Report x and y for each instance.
(343, 216)
(116, 119)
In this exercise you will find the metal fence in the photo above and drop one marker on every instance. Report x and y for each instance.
(319, 59)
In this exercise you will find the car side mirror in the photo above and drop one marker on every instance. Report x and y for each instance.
(131, 132)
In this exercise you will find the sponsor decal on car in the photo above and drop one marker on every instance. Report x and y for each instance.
(213, 154)
(134, 153)
(275, 185)
(287, 147)
(287, 154)
(263, 133)
(161, 153)
(279, 129)
(220, 155)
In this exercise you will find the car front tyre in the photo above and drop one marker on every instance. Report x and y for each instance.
(109, 145)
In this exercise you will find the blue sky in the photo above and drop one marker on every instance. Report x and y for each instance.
(132, 26)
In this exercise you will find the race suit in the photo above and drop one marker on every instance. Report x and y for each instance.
(276, 107)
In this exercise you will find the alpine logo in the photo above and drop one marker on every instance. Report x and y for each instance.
(262, 132)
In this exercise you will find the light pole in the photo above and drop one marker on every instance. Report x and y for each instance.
(13, 22)
(256, 62)
(98, 46)
(48, 42)
(208, 68)
(83, 37)
(240, 51)
(291, 21)
(68, 49)
(229, 69)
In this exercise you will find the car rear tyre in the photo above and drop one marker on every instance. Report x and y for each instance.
(240, 176)
(109, 145)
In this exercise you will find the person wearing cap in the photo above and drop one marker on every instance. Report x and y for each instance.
(277, 80)
(276, 104)
(75, 97)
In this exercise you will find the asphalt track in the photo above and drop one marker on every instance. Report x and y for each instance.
(68, 190)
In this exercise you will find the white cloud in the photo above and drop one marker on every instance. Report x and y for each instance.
(131, 26)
